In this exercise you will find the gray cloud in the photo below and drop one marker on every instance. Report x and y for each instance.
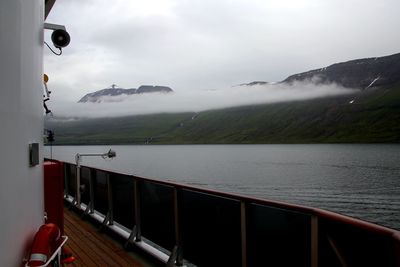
(204, 44)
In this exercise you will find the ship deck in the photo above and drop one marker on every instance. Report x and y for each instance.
(93, 248)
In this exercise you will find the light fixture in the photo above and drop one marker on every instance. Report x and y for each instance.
(78, 158)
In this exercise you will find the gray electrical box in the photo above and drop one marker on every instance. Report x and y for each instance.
(33, 154)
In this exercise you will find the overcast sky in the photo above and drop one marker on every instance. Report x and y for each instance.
(202, 45)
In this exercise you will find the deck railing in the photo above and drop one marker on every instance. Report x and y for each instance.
(210, 228)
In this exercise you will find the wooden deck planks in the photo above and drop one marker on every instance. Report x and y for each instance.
(91, 248)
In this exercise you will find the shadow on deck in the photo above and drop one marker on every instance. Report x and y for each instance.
(93, 248)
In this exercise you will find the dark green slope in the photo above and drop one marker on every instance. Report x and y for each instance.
(373, 117)
(120, 130)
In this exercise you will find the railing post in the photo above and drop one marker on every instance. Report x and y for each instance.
(90, 206)
(177, 251)
(176, 258)
(78, 185)
(243, 233)
(92, 179)
(110, 201)
(314, 241)
(66, 176)
(138, 233)
(135, 234)
(109, 219)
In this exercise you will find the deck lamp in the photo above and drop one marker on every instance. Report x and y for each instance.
(78, 158)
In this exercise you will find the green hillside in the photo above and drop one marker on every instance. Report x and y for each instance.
(374, 116)
(120, 130)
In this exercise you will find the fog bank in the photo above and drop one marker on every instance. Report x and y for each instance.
(196, 101)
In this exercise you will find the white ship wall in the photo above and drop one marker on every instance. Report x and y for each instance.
(21, 67)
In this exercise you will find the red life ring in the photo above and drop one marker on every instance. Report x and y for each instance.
(43, 244)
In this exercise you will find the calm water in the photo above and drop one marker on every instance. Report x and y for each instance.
(362, 181)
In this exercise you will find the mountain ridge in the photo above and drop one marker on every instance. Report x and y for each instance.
(369, 115)
(359, 73)
(113, 90)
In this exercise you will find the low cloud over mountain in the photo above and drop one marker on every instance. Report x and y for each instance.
(188, 101)
(338, 79)
(116, 94)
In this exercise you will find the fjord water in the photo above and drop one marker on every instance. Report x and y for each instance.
(359, 180)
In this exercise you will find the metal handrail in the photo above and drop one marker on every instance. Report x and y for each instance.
(315, 214)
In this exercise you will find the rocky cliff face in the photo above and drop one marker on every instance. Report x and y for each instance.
(153, 89)
(113, 91)
(360, 73)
